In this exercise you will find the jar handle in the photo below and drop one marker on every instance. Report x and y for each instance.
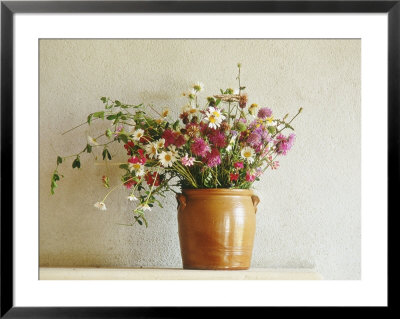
(255, 200)
(181, 201)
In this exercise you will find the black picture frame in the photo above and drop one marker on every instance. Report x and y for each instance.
(9, 8)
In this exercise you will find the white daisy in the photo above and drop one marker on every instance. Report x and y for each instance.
(192, 110)
(192, 93)
(231, 143)
(166, 159)
(91, 141)
(214, 117)
(186, 108)
(144, 207)
(198, 86)
(138, 134)
(160, 143)
(138, 168)
(173, 150)
(132, 198)
(151, 150)
(248, 154)
(100, 205)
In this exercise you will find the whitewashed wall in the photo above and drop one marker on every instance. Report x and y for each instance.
(309, 215)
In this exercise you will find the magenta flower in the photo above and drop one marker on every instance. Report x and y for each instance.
(238, 165)
(250, 177)
(284, 144)
(218, 139)
(264, 112)
(213, 158)
(200, 147)
(187, 161)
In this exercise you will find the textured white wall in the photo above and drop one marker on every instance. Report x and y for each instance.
(309, 215)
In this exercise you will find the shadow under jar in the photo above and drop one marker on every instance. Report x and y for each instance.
(216, 228)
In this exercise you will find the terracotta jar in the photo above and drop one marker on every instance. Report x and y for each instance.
(216, 228)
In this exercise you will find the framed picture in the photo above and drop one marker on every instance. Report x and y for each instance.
(67, 62)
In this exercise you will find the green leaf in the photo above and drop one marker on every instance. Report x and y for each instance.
(124, 166)
(104, 99)
(89, 148)
(217, 102)
(112, 117)
(76, 163)
(175, 125)
(89, 118)
(117, 103)
(288, 126)
(123, 138)
(107, 154)
(59, 160)
(108, 133)
(99, 115)
(145, 221)
(272, 129)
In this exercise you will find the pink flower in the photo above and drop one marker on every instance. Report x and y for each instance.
(187, 161)
(264, 112)
(238, 165)
(119, 129)
(233, 176)
(218, 139)
(250, 177)
(273, 164)
(200, 147)
(213, 158)
(284, 144)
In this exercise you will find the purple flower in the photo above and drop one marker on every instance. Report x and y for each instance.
(264, 112)
(254, 139)
(200, 147)
(213, 158)
(234, 133)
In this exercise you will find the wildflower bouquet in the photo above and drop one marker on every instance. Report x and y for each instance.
(224, 143)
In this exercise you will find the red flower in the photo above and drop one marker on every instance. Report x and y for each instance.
(174, 138)
(129, 147)
(129, 182)
(234, 176)
(151, 178)
(169, 137)
(180, 140)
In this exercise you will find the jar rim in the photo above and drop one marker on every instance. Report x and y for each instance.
(218, 191)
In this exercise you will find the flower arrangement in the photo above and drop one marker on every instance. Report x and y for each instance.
(226, 143)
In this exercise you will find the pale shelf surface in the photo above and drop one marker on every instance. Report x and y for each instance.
(46, 273)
